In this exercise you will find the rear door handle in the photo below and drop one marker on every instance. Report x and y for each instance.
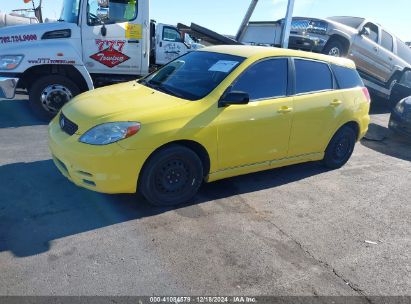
(285, 110)
(336, 102)
(375, 49)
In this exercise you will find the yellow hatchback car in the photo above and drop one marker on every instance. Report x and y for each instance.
(211, 114)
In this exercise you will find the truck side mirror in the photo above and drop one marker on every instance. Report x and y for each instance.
(103, 14)
(365, 31)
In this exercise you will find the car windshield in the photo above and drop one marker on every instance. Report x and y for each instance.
(194, 75)
(406, 79)
(353, 22)
(70, 11)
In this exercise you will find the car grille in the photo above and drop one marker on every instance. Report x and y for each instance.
(67, 125)
(299, 25)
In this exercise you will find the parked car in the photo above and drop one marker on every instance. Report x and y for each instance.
(379, 55)
(402, 88)
(212, 114)
(400, 120)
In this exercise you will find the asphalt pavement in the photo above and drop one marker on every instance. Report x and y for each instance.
(300, 230)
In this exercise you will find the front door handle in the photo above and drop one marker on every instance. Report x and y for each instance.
(285, 110)
(336, 102)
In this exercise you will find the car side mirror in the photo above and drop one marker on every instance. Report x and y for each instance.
(365, 31)
(234, 98)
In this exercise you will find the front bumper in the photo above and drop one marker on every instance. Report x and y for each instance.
(307, 43)
(106, 169)
(400, 124)
(8, 87)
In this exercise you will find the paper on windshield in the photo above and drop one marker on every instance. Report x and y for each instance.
(224, 66)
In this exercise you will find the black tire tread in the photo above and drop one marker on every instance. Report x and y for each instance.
(145, 185)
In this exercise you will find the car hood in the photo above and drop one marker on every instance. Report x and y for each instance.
(122, 102)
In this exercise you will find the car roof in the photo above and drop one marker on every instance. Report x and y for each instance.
(260, 52)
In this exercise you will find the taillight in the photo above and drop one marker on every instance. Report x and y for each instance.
(366, 94)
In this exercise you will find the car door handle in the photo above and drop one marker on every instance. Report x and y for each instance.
(285, 110)
(336, 103)
(375, 49)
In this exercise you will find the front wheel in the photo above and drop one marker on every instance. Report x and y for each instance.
(171, 176)
(334, 48)
(340, 148)
(49, 94)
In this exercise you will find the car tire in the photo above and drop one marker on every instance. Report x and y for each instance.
(334, 48)
(340, 148)
(48, 94)
(172, 176)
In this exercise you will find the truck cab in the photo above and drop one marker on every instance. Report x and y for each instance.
(94, 43)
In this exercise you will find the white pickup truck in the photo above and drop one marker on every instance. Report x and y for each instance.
(95, 42)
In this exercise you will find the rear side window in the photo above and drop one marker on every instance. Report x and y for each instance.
(312, 76)
(264, 80)
(347, 78)
(387, 41)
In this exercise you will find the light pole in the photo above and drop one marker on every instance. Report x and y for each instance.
(285, 37)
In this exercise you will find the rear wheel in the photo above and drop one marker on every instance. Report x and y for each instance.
(340, 148)
(48, 94)
(171, 176)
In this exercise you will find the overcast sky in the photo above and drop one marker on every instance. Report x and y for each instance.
(224, 16)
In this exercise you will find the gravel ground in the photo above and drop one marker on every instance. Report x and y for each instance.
(299, 230)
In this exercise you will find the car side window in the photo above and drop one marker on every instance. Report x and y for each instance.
(171, 34)
(312, 76)
(118, 11)
(373, 31)
(264, 80)
(406, 79)
(347, 78)
(387, 41)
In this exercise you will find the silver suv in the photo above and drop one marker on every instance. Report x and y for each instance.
(379, 55)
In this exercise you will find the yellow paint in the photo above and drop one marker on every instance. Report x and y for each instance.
(239, 139)
(134, 31)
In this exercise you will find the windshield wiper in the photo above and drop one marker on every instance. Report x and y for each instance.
(156, 85)
(168, 91)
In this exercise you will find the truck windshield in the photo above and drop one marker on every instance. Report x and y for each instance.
(70, 11)
(194, 75)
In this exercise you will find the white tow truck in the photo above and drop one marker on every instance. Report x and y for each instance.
(94, 43)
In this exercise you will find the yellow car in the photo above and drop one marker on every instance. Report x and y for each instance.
(211, 114)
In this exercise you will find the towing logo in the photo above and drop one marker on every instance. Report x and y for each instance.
(110, 58)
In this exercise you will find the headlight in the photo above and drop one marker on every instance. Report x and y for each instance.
(109, 133)
(10, 62)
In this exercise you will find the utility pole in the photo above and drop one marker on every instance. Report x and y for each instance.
(285, 37)
(246, 19)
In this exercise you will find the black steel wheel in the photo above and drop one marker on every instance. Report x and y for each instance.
(172, 176)
(340, 148)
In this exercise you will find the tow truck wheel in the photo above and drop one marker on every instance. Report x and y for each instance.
(48, 94)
